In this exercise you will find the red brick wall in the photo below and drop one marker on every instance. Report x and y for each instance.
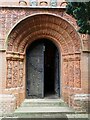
(18, 33)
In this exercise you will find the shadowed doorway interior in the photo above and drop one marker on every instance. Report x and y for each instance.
(42, 70)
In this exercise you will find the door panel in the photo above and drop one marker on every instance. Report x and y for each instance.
(35, 71)
(42, 70)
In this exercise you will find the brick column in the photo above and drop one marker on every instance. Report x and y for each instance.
(82, 100)
(86, 64)
(85, 72)
(2, 70)
(2, 64)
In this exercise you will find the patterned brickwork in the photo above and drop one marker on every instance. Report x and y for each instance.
(81, 102)
(7, 104)
(9, 73)
(55, 29)
(71, 75)
(20, 27)
(44, 25)
(14, 71)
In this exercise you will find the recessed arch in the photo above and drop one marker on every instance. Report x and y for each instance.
(61, 33)
(40, 35)
(55, 42)
(45, 23)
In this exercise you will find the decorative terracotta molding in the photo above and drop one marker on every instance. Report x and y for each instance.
(2, 50)
(45, 20)
(51, 27)
(22, 3)
(9, 74)
(74, 57)
(14, 73)
(43, 3)
(63, 4)
(14, 56)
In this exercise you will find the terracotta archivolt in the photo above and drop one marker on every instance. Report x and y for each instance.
(33, 26)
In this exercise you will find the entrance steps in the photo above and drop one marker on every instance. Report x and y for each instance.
(43, 108)
(43, 103)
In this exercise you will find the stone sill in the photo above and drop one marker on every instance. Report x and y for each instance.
(44, 7)
(86, 51)
(2, 50)
(6, 96)
(82, 97)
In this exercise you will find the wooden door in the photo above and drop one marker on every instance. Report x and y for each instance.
(35, 71)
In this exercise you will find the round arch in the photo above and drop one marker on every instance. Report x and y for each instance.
(61, 33)
(44, 25)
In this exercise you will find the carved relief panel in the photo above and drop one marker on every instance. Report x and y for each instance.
(9, 73)
(71, 71)
(15, 74)
(77, 74)
(15, 70)
(65, 73)
(21, 71)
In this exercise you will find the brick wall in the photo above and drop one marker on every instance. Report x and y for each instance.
(7, 104)
(20, 27)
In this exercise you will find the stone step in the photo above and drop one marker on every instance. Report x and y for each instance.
(42, 111)
(78, 116)
(43, 108)
(43, 102)
(60, 116)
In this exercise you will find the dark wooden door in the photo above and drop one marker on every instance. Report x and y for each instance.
(42, 70)
(57, 73)
(35, 71)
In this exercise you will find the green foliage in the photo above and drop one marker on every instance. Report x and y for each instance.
(81, 12)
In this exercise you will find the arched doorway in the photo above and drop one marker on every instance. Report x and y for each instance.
(42, 70)
(63, 34)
